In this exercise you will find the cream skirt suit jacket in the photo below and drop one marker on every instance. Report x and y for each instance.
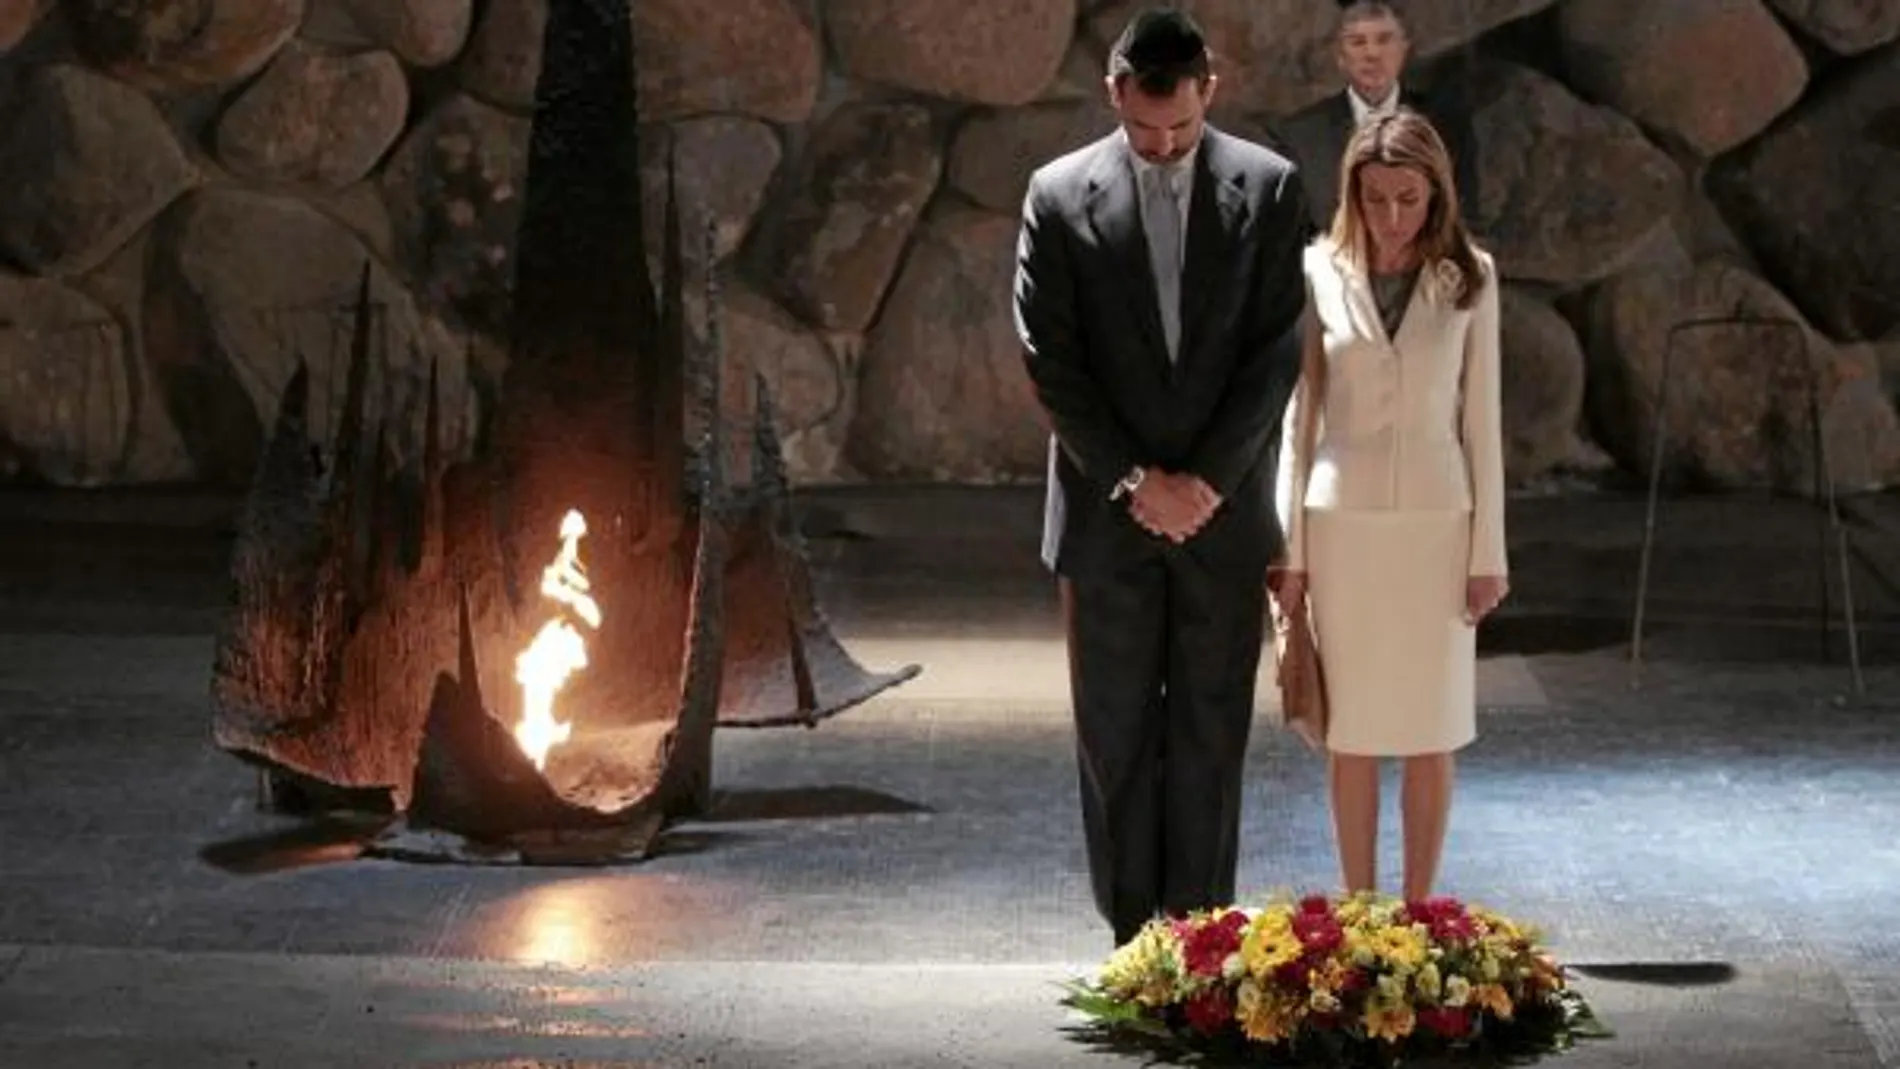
(1391, 490)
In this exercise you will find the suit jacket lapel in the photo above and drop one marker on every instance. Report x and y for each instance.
(1361, 305)
(1115, 217)
(1342, 122)
(1216, 214)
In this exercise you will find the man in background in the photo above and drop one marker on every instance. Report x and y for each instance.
(1371, 46)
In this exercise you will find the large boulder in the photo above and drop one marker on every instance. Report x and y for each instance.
(747, 57)
(65, 391)
(722, 166)
(155, 450)
(454, 188)
(862, 181)
(85, 162)
(813, 383)
(943, 394)
(1846, 26)
(172, 45)
(1815, 197)
(17, 19)
(995, 152)
(1080, 76)
(1571, 190)
(1543, 385)
(424, 33)
(1739, 411)
(229, 317)
(1711, 74)
(981, 51)
(289, 126)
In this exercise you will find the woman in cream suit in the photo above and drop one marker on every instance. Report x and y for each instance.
(1391, 485)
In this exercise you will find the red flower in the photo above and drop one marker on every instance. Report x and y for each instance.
(1446, 1021)
(1354, 980)
(1295, 973)
(1207, 946)
(1445, 917)
(1210, 1011)
(1454, 929)
(1319, 934)
(1432, 909)
(1316, 904)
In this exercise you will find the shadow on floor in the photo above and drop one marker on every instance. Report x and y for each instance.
(1663, 974)
(324, 841)
(805, 803)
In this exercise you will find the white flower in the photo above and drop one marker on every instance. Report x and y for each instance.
(1457, 992)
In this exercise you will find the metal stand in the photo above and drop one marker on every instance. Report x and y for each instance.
(1830, 522)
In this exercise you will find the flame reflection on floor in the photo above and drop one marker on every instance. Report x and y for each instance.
(593, 920)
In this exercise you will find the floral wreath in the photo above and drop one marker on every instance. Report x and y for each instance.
(1350, 981)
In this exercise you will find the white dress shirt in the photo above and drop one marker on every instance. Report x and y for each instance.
(1362, 112)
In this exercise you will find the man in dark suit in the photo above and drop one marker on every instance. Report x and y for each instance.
(1158, 289)
(1371, 48)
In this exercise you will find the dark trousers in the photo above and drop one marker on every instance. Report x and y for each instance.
(1161, 670)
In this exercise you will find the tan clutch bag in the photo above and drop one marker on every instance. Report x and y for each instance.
(1302, 680)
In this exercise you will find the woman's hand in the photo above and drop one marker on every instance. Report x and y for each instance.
(1482, 594)
(1288, 588)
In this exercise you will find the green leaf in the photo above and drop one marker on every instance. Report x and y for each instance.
(1581, 1020)
(1100, 1005)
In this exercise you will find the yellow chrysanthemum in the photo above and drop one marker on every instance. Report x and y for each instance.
(1147, 968)
(1495, 922)
(1405, 947)
(1390, 1021)
(1278, 913)
(1264, 1016)
(1359, 948)
(1428, 983)
(1269, 944)
(1352, 912)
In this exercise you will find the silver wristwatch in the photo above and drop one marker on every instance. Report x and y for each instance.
(1128, 483)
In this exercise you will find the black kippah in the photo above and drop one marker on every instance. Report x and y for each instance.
(1163, 37)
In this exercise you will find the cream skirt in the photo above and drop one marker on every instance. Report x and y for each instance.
(1388, 593)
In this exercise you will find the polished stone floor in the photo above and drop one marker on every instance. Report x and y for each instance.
(1713, 837)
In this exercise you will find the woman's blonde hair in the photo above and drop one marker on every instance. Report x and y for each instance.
(1405, 138)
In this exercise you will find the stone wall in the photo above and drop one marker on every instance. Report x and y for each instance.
(189, 190)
